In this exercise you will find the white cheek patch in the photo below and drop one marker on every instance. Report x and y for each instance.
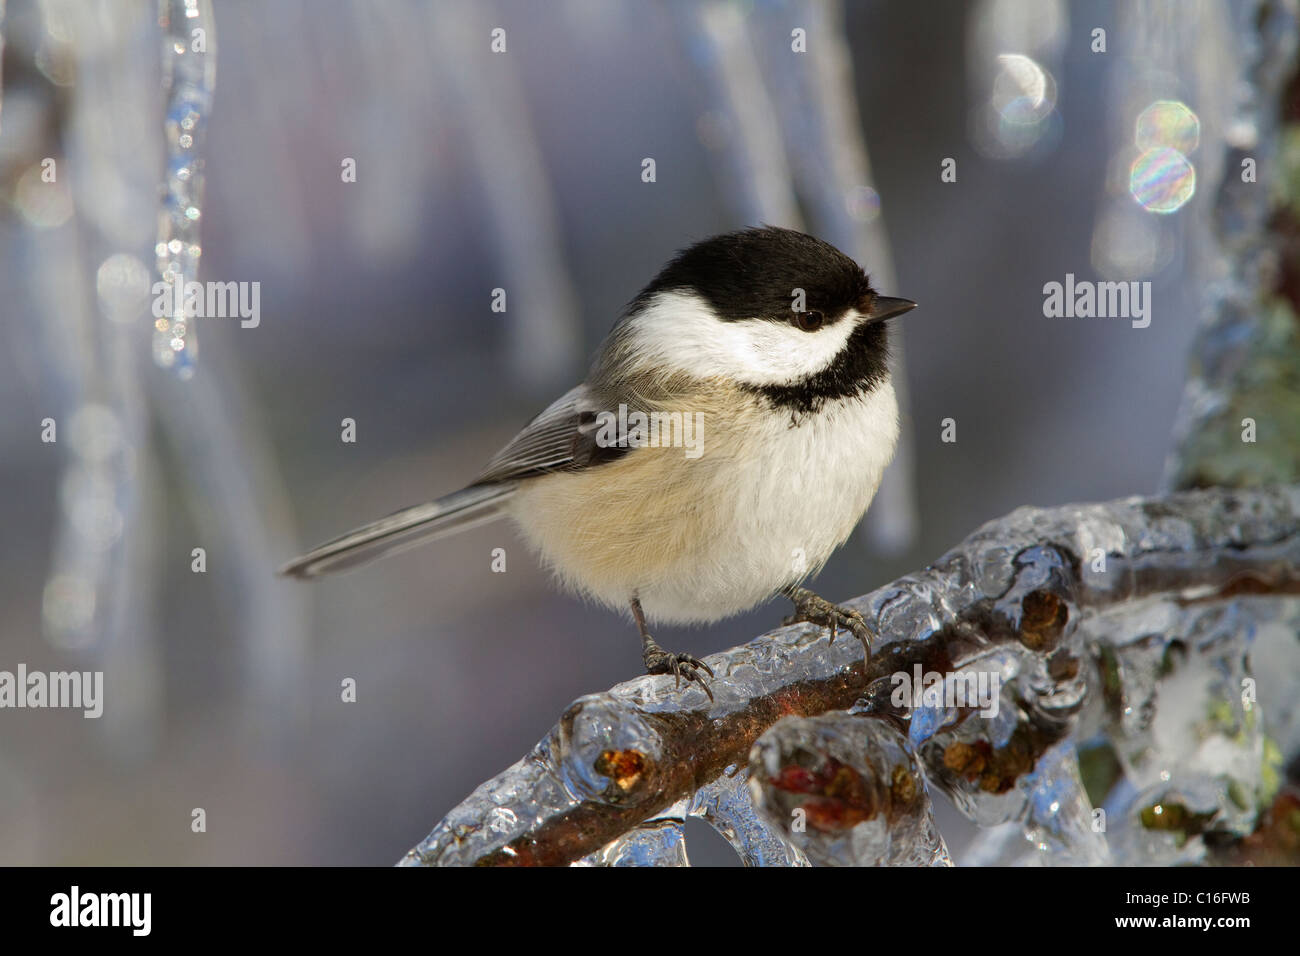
(678, 330)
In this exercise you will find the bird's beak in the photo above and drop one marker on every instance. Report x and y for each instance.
(883, 307)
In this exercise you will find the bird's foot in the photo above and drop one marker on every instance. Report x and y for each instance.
(659, 661)
(817, 610)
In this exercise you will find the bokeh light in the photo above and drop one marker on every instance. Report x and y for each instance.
(1162, 180)
(1019, 117)
(1168, 123)
(1126, 244)
(45, 205)
(122, 282)
(1023, 93)
(862, 203)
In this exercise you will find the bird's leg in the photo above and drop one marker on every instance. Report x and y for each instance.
(659, 661)
(817, 610)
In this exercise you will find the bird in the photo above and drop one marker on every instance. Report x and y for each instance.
(731, 432)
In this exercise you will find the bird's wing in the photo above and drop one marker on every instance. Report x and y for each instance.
(561, 438)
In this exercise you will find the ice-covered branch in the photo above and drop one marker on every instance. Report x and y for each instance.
(1020, 592)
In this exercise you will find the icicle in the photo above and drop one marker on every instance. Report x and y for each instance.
(189, 75)
(1195, 721)
(1060, 824)
(739, 124)
(726, 805)
(543, 331)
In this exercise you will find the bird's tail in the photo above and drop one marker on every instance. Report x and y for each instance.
(404, 529)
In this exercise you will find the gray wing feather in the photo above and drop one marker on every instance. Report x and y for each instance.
(561, 438)
(404, 529)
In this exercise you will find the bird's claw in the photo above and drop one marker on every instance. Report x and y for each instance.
(659, 661)
(813, 609)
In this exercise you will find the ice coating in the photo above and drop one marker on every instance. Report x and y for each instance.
(1019, 594)
(660, 841)
(847, 790)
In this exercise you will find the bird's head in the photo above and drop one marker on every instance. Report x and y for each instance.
(768, 310)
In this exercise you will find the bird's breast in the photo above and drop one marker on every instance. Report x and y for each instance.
(759, 500)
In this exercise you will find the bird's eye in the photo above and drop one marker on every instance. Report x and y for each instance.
(809, 321)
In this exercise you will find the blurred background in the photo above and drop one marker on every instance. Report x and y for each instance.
(966, 153)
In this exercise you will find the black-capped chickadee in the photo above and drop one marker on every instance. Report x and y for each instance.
(731, 434)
